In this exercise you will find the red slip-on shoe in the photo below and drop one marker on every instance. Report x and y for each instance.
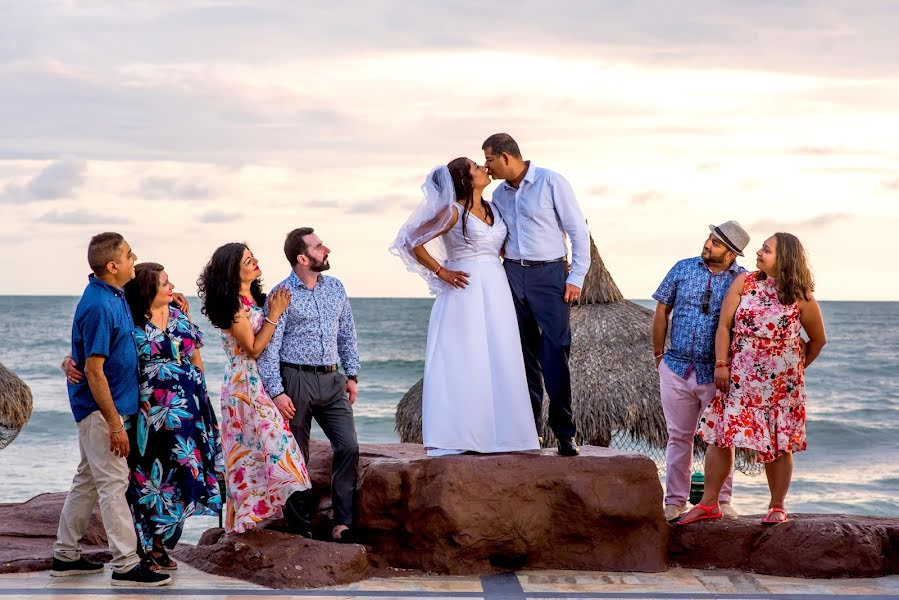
(704, 515)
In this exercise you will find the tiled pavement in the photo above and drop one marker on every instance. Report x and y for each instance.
(191, 584)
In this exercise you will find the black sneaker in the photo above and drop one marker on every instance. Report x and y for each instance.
(141, 576)
(61, 568)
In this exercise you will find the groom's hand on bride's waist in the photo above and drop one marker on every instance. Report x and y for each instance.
(572, 292)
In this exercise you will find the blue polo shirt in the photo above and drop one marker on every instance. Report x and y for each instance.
(103, 327)
(693, 331)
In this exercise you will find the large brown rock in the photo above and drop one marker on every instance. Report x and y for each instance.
(277, 560)
(477, 514)
(28, 530)
(804, 546)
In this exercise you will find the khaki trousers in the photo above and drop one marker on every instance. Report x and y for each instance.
(101, 475)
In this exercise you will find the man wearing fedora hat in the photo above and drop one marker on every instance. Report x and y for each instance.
(691, 295)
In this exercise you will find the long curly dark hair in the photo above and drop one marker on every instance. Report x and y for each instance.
(140, 291)
(793, 275)
(219, 285)
(460, 171)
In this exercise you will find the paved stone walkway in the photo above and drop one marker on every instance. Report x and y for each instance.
(191, 584)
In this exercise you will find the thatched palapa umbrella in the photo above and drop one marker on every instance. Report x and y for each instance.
(15, 406)
(614, 381)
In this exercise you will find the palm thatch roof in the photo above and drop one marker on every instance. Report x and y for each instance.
(614, 381)
(15, 406)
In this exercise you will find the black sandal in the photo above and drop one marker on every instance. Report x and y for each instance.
(162, 559)
(148, 563)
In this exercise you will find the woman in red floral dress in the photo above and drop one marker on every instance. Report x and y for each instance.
(760, 402)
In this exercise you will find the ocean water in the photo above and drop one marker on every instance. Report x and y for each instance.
(853, 400)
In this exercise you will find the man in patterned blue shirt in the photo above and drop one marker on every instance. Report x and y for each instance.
(691, 294)
(299, 368)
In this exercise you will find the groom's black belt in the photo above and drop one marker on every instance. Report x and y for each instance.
(311, 368)
(534, 263)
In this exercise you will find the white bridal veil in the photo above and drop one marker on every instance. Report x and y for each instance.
(430, 217)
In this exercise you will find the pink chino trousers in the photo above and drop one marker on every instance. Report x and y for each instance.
(683, 401)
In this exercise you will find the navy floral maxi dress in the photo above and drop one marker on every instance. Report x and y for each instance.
(176, 449)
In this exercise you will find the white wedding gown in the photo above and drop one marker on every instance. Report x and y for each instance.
(475, 395)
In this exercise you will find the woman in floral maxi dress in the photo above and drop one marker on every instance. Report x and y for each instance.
(760, 374)
(176, 451)
(265, 471)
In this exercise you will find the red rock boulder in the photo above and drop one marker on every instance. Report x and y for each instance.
(28, 530)
(805, 546)
(476, 514)
(277, 560)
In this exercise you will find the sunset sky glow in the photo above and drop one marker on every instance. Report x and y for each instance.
(186, 125)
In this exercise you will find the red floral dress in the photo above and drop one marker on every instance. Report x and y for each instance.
(765, 407)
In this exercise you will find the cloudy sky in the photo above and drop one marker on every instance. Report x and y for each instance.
(185, 125)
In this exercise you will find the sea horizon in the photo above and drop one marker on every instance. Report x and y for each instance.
(853, 399)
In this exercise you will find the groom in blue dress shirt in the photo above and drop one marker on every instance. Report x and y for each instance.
(540, 210)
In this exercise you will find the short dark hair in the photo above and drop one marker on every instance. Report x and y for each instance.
(102, 249)
(502, 142)
(294, 245)
(140, 291)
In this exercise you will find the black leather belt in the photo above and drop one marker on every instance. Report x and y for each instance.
(311, 368)
(534, 263)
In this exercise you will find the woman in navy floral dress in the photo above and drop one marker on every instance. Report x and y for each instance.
(176, 449)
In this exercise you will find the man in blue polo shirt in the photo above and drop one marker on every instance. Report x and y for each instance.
(691, 295)
(103, 349)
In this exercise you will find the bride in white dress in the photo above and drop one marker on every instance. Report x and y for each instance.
(475, 395)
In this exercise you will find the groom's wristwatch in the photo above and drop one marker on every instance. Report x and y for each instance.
(353, 377)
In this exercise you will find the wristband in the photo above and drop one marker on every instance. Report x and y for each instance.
(119, 430)
(659, 354)
(720, 363)
(270, 322)
(439, 268)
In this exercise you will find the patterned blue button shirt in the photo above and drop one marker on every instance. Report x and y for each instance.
(316, 329)
(692, 331)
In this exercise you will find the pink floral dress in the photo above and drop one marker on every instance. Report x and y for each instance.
(263, 463)
(765, 407)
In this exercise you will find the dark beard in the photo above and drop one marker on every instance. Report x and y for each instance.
(710, 260)
(319, 267)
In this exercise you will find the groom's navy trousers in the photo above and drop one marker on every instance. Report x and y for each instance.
(543, 323)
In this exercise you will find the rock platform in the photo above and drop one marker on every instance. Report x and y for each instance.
(487, 514)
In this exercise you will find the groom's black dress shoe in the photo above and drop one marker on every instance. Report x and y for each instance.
(568, 448)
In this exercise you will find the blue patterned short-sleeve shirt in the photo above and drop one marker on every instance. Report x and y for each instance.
(693, 331)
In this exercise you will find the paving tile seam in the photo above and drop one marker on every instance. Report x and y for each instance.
(498, 595)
